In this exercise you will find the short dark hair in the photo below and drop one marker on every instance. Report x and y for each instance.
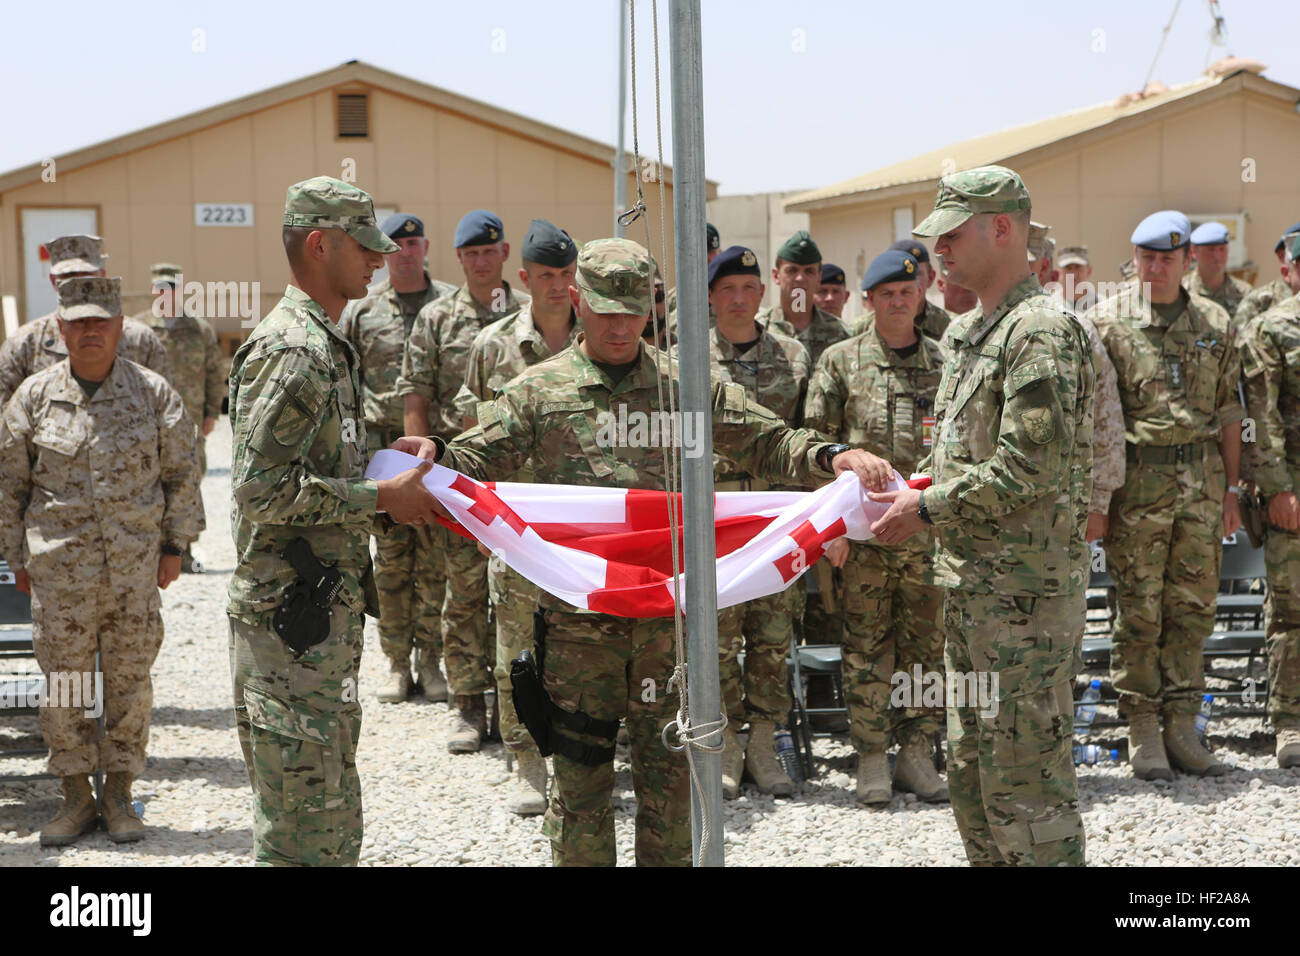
(295, 237)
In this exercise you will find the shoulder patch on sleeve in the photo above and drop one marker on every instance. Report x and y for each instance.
(1038, 424)
(1029, 374)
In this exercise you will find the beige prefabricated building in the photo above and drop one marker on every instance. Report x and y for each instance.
(1225, 147)
(207, 190)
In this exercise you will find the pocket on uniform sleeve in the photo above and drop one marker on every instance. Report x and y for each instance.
(293, 415)
(297, 755)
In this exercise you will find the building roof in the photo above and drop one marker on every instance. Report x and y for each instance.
(1019, 142)
(351, 72)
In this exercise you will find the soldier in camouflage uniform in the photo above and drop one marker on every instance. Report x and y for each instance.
(433, 370)
(602, 666)
(798, 273)
(298, 472)
(930, 320)
(712, 246)
(503, 350)
(1010, 463)
(1178, 378)
(1283, 287)
(1270, 359)
(877, 391)
(1210, 279)
(194, 358)
(38, 344)
(773, 369)
(98, 498)
(409, 572)
(833, 292)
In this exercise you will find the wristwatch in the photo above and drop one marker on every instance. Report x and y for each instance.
(172, 550)
(1236, 490)
(922, 511)
(826, 456)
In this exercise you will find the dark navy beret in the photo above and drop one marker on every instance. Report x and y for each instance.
(832, 274)
(402, 225)
(734, 260)
(479, 228)
(892, 265)
(548, 245)
(1163, 231)
(711, 234)
(914, 249)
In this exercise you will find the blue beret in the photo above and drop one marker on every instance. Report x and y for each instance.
(892, 265)
(832, 274)
(711, 234)
(479, 228)
(1281, 240)
(1163, 231)
(1210, 234)
(914, 248)
(401, 225)
(734, 260)
(548, 245)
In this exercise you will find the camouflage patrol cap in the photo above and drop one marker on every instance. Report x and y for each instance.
(1037, 243)
(983, 189)
(72, 254)
(616, 277)
(165, 273)
(1074, 256)
(90, 297)
(327, 203)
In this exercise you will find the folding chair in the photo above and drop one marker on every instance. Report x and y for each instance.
(813, 660)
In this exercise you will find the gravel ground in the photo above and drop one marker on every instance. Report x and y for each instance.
(425, 806)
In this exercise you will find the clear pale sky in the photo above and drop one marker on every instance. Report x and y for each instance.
(797, 93)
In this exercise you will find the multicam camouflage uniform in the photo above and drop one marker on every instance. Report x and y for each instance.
(409, 572)
(1229, 295)
(1261, 300)
(433, 367)
(90, 490)
(863, 394)
(823, 331)
(933, 322)
(194, 357)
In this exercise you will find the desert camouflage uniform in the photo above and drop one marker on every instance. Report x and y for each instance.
(194, 357)
(1011, 457)
(1260, 300)
(500, 352)
(299, 461)
(934, 321)
(90, 491)
(596, 663)
(864, 394)
(409, 572)
(1178, 384)
(433, 367)
(39, 344)
(1271, 369)
(819, 334)
(774, 374)
(1229, 295)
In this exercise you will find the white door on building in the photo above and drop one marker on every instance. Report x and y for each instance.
(38, 225)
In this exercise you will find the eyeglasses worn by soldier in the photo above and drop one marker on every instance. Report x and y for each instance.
(297, 480)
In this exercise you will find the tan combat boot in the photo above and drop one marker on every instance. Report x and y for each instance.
(761, 762)
(75, 816)
(733, 764)
(427, 674)
(914, 771)
(1288, 747)
(1186, 752)
(1146, 752)
(397, 685)
(468, 724)
(528, 792)
(119, 816)
(874, 787)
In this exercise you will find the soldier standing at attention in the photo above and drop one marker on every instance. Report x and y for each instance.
(409, 572)
(194, 357)
(930, 319)
(798, 273)
(1178, 377)
(773, 369)
(1270, 346)
(1076, 269)
(1266, 296)
(1010, 465)
(503, 350)
(98, 499)
(833, 293)
(298, 477)
(597, 667)
(38, 344)
(877, 391)
(1210, 278)
(433, 371)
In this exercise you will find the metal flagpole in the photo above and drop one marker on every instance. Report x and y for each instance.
(620, 157)
(690, 254)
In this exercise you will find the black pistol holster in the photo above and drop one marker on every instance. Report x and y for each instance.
(540, 714)
(1254, 518)
(303, 619)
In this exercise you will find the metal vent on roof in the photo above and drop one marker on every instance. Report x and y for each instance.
(354, 114)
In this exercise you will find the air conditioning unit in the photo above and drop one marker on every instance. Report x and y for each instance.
(1236, 223)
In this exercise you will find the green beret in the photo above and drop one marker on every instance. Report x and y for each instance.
(800, 249)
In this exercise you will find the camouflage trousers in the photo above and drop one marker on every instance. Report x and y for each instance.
(411, 580)
(466, 652)
(67, 629)
(1282, 627)
(611, 668)
(1163, 550)
(298, 722)
(764, 628)
(891, 627)
(514, 599)
(1011, 774)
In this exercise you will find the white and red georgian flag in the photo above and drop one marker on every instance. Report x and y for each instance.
(609, 549)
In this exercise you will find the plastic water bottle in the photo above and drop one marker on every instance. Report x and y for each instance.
(786, 755)
(1203, 718)
(1091, 754)
(1086, 712)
